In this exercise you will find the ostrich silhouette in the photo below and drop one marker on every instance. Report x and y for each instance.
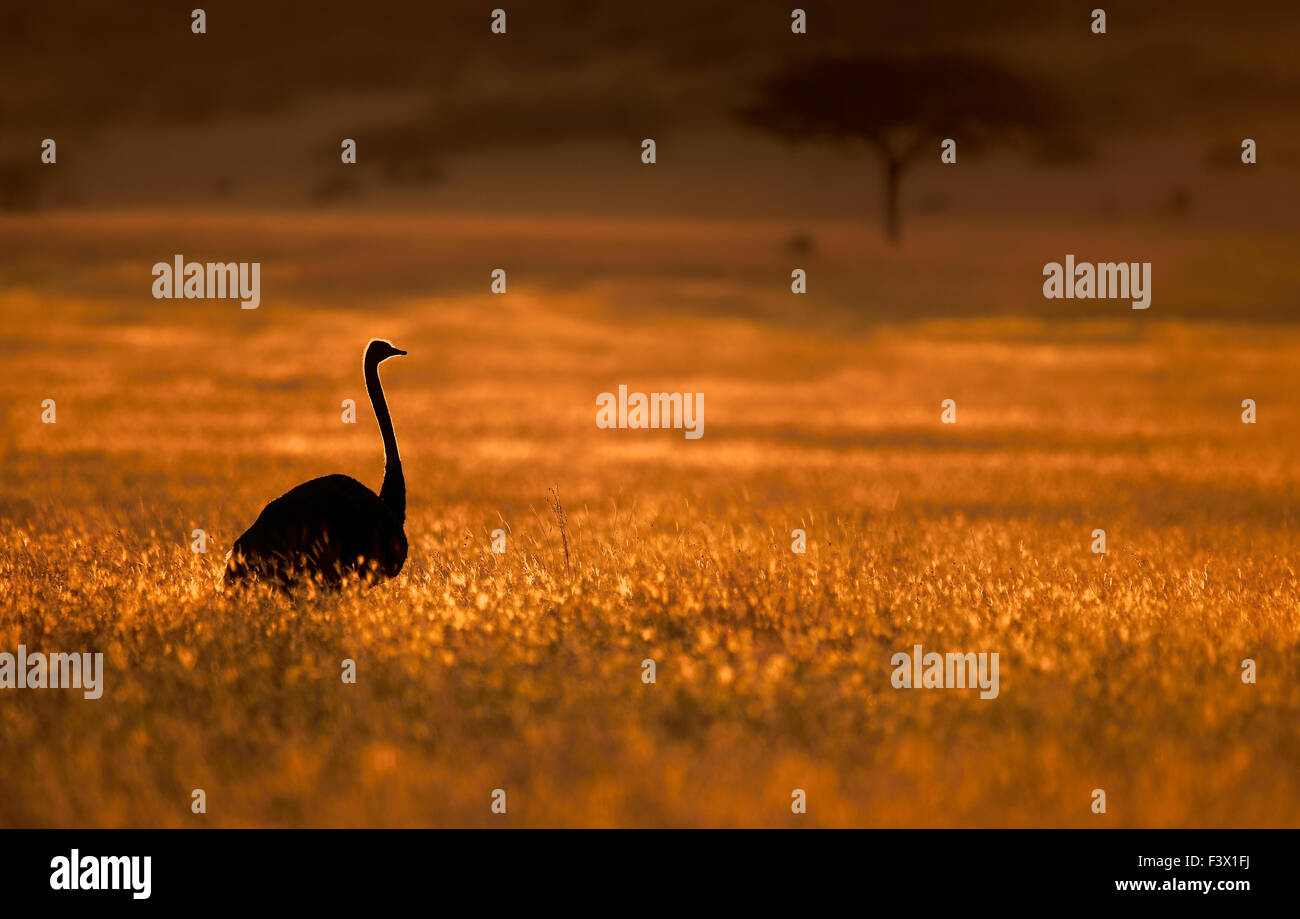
(332, 528)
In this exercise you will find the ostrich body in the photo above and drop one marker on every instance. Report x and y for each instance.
(332, 528)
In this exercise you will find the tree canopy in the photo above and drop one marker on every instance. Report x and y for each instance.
(900, 106)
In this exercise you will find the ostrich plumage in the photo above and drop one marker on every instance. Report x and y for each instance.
(332, 529)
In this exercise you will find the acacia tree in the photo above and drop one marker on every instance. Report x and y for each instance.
(900, 107)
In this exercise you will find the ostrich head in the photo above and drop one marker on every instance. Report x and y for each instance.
(379, 350)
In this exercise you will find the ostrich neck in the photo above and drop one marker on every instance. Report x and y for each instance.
(393, 491)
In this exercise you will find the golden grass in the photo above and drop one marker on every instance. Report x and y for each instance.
(479, 671)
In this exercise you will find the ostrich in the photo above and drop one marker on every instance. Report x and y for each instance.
(332, 527)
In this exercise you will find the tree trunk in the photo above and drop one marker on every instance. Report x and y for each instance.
(893, 219)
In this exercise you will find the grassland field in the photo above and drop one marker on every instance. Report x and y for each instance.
(523, 670)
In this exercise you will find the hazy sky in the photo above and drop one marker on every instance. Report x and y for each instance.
(549, 117)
